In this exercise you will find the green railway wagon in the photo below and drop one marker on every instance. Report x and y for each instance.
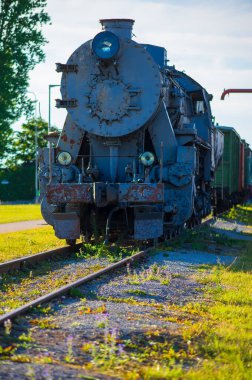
(227, 174)
(248, 165)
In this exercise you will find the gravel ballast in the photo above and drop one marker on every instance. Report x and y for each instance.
(133, 303)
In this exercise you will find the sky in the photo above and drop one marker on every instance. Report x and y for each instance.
(210, 40)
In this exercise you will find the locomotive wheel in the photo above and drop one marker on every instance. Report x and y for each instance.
(195, 220)
(180, 229)
(71, 242)
(169, 234)
(190, 223)
(86, 237)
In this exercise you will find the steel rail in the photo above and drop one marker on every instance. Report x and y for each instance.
(25, 261)
(64, 289)
(58, 292)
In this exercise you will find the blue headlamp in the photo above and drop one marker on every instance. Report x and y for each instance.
(105, 45)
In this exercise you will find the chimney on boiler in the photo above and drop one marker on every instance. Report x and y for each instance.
(121, 27)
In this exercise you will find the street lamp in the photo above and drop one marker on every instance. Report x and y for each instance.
(49, 105)
(36, 145)
(49, 129)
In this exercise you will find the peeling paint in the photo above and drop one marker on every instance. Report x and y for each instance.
(141, 192)
(64, 138)
(70, 193)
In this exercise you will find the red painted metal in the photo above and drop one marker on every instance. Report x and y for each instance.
(141, 192)
(235, 90)
(89, 193)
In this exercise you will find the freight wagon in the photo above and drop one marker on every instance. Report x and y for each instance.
(248, 170)
(232, 178)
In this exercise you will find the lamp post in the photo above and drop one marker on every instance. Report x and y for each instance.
(49, 105)
(36, 146)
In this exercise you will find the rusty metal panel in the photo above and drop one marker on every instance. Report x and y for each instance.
(66, 225)
(71, 138)
(70, 193)
(141, 192)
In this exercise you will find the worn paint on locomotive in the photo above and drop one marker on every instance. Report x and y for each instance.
(138, 149)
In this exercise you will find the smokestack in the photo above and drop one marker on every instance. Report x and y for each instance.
(122, 27)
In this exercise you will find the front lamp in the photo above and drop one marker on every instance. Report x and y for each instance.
(147, 158)
(106, 45)
(64, 158)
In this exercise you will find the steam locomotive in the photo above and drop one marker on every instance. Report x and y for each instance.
(138, 151)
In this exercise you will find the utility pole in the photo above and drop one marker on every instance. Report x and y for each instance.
(49, 105)
(36, 146)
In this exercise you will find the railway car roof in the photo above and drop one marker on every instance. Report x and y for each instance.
(228, 129)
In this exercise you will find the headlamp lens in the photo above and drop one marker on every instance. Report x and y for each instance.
(64, 158)
(147, 158)
(105, 45)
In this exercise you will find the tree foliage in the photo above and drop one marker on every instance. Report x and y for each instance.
(21, 183)
(23, 147)
(21, 42)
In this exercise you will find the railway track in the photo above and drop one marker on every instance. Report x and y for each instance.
(27, 261)
(65, 289)
(123, 313)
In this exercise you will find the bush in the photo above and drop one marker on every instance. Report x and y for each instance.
(21, 185)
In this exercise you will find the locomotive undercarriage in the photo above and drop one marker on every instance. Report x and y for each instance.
(136, 210)
(107, 209)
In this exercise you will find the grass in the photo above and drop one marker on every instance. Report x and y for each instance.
(20, 287)
(154, 273)
(137, 292)
(224, 339)
(112, 252)
(22, 243)
(199, 239)
(213, 340)
(240, 214)
(19, 213)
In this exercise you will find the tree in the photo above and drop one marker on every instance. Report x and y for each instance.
(19, 167)
(21, 42)
(21, 183)
(23, 142)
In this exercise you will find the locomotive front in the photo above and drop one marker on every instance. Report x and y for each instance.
(116, 163)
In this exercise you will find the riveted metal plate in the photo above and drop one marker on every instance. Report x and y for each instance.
(141, 192)
(138, 82)
(70, 193)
